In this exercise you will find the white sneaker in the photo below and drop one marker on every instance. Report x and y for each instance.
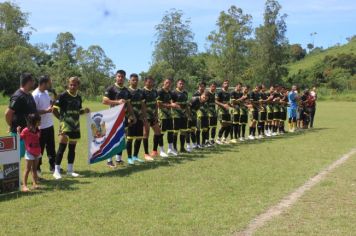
(233, 141)
(189, 149)
(72, 174)
(194, 146)
(218, 141)
(163, 154)
(250, 137)
(57, 175)
(242, 139)
(274, 134)
(260, 136)
(172, 152)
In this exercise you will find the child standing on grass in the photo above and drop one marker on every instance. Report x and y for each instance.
(31, 137)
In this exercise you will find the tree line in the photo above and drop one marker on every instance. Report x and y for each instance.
(235, 51)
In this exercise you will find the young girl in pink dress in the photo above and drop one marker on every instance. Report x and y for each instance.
(31, 137)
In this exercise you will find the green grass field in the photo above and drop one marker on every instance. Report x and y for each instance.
(212, 192)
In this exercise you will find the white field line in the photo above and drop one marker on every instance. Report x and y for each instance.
(292, 198)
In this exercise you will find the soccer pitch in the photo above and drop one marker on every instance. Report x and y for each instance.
(210, 192)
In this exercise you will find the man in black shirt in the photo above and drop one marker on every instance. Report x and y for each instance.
(21, 105)
(118, 94)
(254, 97)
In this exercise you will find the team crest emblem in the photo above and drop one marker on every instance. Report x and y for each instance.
(98, 128)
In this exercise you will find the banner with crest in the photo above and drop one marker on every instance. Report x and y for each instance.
(106, 133)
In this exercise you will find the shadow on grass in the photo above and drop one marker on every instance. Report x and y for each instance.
(187, 157)
(65, 184)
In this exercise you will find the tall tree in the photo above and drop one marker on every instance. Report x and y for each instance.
(270, 46)
(229, 43)
(15, 51)
(64, 63)
(174, 43)
(96, 69)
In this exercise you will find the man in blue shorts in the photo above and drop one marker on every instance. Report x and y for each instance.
(292, 109)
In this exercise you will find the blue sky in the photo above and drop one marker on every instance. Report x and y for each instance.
(125, 29)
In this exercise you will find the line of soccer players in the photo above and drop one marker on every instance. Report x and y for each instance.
(193, 121)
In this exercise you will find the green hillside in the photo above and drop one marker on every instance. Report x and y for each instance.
(310, 60)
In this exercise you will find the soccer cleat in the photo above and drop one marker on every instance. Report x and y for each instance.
(194, 146)
(148, 157)
(233, 141)
(250, 137)
(57, 175)
(120, 162)
(130, 161)
(260, 136)
(172, 152)
(274, 134)
(189, 148)
(135, 158)
(242, 139)
(110, 164)
(72, 174)
(154, 154)
(163, 154)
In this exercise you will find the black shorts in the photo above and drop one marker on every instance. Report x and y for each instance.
(203, 123)
(225, 118)
(166, 125)
(269, 116)
(135, 130)
(73, 135)
(213, 121)
(254, 115)
(192, 124)
(263, 116)
(152, 122)
(180, 124)
(243, 119)
(283, 115)
(276, 115)
(235, 118)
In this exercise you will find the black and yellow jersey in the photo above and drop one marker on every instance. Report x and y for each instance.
(223, 97)
(181, 98)
(137, 98)
(150, 99)
(164, 97)
(212, 105)
(234, 96)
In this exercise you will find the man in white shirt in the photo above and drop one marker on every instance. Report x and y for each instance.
(44, 107)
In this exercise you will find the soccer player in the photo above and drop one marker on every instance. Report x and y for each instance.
(165, 104)
(276, 110)
(235, 99)
(213, 116)
(283, 109)
(202, 119)
(244, 101)
(180, 119)
(223, 101)
(150, 95)
(269, 108)
(135, 129)
(262, 112)
(194, 106)
(118, 94)
(292, 109)
(68, 108)
(254, 97)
